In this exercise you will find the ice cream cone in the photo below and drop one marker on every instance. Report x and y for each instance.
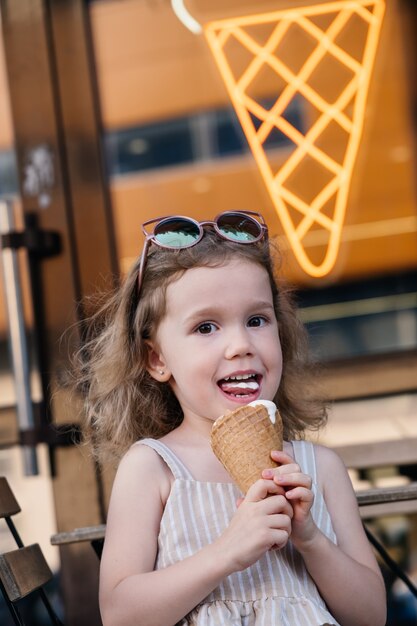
(242, 440)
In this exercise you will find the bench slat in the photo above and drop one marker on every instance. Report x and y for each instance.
(23, 570)
(8, 503)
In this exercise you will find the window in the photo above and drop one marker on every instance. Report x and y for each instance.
(207, 135)
(377, 316)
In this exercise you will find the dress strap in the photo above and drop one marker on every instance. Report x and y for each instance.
(305, 457)
(176, 466)
(304, 453)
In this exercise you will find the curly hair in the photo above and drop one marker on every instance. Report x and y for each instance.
(123, 403)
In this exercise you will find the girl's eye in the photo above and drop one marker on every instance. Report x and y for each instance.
(206, 328)
(256, 321)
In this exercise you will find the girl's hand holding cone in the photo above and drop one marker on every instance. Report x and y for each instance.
(297, 487)
(259, 524)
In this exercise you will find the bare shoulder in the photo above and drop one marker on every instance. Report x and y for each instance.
(142, 457)
(142, 467)
(331, 470)
(326, 455)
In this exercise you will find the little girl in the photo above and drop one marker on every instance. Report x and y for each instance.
(201, 326)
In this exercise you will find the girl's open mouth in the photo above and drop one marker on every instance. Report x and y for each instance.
(241, 386)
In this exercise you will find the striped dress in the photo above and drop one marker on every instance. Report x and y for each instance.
(276, 590)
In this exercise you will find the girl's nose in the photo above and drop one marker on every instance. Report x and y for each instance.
(238, 344)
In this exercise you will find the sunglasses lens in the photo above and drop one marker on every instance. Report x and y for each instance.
(177, 233)
(239, 227)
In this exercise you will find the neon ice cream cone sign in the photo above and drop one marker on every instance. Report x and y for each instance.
(345, 112)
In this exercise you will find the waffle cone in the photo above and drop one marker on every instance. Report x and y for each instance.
(242, 440)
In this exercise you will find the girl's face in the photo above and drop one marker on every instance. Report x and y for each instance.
(218, 344)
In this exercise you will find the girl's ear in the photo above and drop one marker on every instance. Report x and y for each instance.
(156, 365)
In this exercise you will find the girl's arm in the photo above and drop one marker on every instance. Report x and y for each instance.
(131, 593)
(347, 574)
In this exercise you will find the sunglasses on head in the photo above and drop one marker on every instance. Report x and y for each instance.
(177, 232)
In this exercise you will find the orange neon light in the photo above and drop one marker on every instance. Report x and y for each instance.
(352, 96)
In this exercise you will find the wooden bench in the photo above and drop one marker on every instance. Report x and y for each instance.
(23, 571)
(372, 455)
(370, 502)
(366, 498)
(379, 453)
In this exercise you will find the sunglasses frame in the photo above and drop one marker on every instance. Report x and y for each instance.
(150, 237)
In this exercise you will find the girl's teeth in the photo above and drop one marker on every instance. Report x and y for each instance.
(239, 384)
(240, 395)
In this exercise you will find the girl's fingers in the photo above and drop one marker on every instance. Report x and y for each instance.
(283, 469)
(276, 502)
(281, 457)
(279, 507)
(298, 478)
(281, 540)
(262, 488)
(301, 494)
(288, 475)
(280, 522)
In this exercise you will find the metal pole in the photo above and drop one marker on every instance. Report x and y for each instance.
(18, 340)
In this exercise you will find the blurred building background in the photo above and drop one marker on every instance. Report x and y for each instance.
(113, 112)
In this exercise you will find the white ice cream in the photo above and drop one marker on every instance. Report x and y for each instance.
(270, 407)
